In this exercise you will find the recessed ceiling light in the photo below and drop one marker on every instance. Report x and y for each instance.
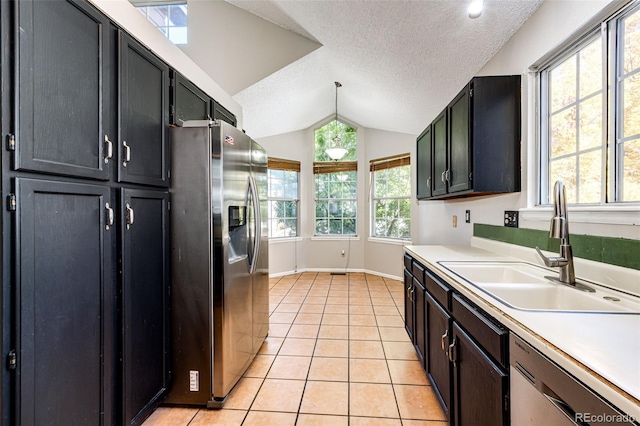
(475, 8)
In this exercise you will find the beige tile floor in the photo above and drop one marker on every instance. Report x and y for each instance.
(337, 354)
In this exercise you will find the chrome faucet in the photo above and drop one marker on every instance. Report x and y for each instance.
(560, 229)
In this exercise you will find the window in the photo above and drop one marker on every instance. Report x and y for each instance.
(391, 197)
(170, 19)
(283, 197)
(590, 132)
(335, 181)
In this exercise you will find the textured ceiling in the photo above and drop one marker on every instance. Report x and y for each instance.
(399, 61)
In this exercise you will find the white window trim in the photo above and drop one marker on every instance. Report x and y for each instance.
(335, 237)
(284, 239)
(392, 241)
(610, 215)
(614, 213)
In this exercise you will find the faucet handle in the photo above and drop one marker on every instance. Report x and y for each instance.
(552, 262)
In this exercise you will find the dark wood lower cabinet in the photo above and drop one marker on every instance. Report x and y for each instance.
(65, 351)
(145, 301)
(464, 352)
(419, 339)
(439, 330)
(408, 304)
(480, 387)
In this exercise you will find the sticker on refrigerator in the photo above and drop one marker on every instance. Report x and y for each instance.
(194, 381)
(228, 139)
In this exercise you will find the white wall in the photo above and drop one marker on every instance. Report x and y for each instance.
(552, 23)
(324, 253)
(237, 48)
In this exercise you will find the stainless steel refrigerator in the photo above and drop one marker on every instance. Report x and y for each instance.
(220, 284)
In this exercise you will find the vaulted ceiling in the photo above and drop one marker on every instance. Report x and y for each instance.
(399, 61)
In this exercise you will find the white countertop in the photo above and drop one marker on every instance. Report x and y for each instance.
(601, 350)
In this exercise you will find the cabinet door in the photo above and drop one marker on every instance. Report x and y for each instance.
(459, 143)
(408, 303)
(187, 101)
(424, 167)
(62, 90)
(64, 304)
(419, 325)
(439, 129)
(437, 362)
(221, 113)
(145, 301)
(480, 386)
(143, 115)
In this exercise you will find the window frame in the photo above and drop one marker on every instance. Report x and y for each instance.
(143, 7)
(380, 164)
(290, 166)
(322, 166)
(605, 26)
(334, 168)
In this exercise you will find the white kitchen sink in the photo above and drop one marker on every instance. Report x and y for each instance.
(530, 287)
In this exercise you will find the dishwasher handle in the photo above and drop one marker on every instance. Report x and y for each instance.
(564, 408)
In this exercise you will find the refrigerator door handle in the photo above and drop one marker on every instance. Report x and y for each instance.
(258, 226)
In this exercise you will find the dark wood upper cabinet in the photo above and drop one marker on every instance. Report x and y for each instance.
(476, 141)
(63, 90)
(143, 151)
(458, 174)
(424, 169)
(440, 154)
(187, 101)
(64, 309)
(221, 113)
(144, 230)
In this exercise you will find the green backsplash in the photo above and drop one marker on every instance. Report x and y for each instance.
(615, 251)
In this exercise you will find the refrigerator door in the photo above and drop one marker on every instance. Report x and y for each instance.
(261, 275)
(232, 293)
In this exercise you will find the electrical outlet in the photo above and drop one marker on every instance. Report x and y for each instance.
(467, 216)
(511, 218)
(454, 221)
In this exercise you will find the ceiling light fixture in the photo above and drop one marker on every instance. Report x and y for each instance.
(475, 8)
(335, 152)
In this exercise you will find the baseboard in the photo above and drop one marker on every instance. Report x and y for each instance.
(340, 270)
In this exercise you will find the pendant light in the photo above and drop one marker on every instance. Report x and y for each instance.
(335, 152)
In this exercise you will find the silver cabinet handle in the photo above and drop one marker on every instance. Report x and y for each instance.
(442, 177)
(108, 148)
(429, 182)
(109, 219)
(410, 293)
(447, 175)
(129, 216)
(126, 153)
(452, 351)
(443, 343)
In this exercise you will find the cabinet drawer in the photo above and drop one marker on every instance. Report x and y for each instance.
(407, 262)
(493, 338)
(418, 272)
(439, 290)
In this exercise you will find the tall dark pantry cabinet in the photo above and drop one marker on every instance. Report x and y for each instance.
(85, 292)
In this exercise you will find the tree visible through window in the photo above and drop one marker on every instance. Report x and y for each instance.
(590, 138)
(335, 182)
(283, 197)
(391, 205)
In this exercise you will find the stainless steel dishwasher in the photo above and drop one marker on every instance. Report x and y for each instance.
(542, 393)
